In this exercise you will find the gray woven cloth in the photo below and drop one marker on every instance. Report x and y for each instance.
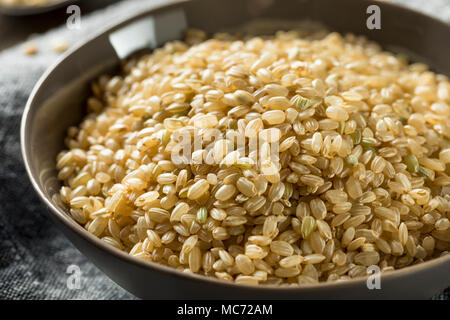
(34, 255)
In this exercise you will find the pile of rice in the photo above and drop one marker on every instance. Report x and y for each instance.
(361, 176)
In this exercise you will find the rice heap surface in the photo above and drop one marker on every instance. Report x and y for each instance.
(343, 162)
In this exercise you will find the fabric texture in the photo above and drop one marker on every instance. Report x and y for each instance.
(34, 254)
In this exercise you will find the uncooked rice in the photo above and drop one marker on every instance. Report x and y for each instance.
(27, 3)
(362, 177)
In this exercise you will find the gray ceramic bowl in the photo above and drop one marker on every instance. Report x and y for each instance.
(57, 103)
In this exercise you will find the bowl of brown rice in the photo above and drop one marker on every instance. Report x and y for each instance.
(252, 149)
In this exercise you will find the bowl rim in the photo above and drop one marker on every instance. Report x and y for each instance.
(64, 217)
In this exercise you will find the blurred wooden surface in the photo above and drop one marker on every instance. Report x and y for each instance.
(14, 30)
